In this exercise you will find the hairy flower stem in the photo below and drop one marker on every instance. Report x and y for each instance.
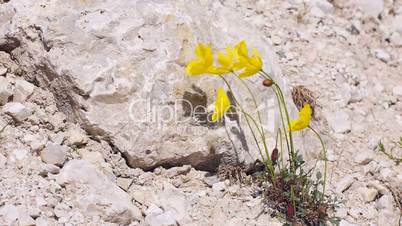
(325, 161)
(249, 117)
(263, 137)
(282, 102)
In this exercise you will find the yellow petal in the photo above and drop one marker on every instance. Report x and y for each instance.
(226, 60)
(304, 119)
(217, 71)
(195, 67)
(222, 105)
(256, 60)
(250, 71)
(241, 49)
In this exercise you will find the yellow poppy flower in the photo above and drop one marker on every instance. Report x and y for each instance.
(227, 60)
(251, 65)
(304, 119)
(222, 105)
(203, 64)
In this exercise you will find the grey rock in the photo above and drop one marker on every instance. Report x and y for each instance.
(173, 200)
(163, 219)
(16, 215)
(19, 154)
(76, 136)
(339, 121)
(382, 55)
(176, 171)
(3, 71)
(124, 183)
(106, 199)
(371, 7)
(49, 168)
(3, 161)
(363, 158)
(219, 186)
(344, 184)
(368, 194)
(385, 202)
(153, 210)
(22, 90)
(388, 217)
(346, 223)
(5, 91)
(35, 141)
(17, 111)
(110, 96)
(397, 91)
(325, 6)
(54, 154)
(210, 181)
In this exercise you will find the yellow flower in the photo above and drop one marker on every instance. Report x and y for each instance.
(251, 65)
(203, 64)
(227, 60)
(222, 105)
(304, 119)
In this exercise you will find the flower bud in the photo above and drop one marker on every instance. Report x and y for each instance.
(274, 156)
(267, 82)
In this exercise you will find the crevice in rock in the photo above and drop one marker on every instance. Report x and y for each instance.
(8, 44)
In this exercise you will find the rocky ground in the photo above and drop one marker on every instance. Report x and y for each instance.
(349, 53)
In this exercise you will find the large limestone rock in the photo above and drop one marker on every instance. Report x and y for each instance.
(117, 68)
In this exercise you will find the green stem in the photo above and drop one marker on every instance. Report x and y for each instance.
(281, 100)
(263, 137)
(247, 120)
(325, 161)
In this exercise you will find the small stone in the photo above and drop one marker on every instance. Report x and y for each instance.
(382, 55)
(164, 219)
(219, 186)
(387, 174)
(339, 121)
(124, 183)
(19, 154)
(5, 91)
(341, 212)
(276, 40)
(3, 161)
(49, 168)
(12, 214)
(325, 6)
(175, 171)
(388, 217)
(54, 154)
(3, 71)
(35, 141)
(385, 202)
(76, 136)
(344, 184)
(363, 158)
(368, 194)
(17, 111)
(153, 210)
(397, 91)
(346, 223)
(371, 7)
(40, 201)
(211, 180)
(23, 90)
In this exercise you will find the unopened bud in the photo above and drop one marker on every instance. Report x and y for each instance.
(274, 156)
(267, 82)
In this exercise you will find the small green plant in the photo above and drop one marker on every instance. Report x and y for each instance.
(287, 186)
(390, 154)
